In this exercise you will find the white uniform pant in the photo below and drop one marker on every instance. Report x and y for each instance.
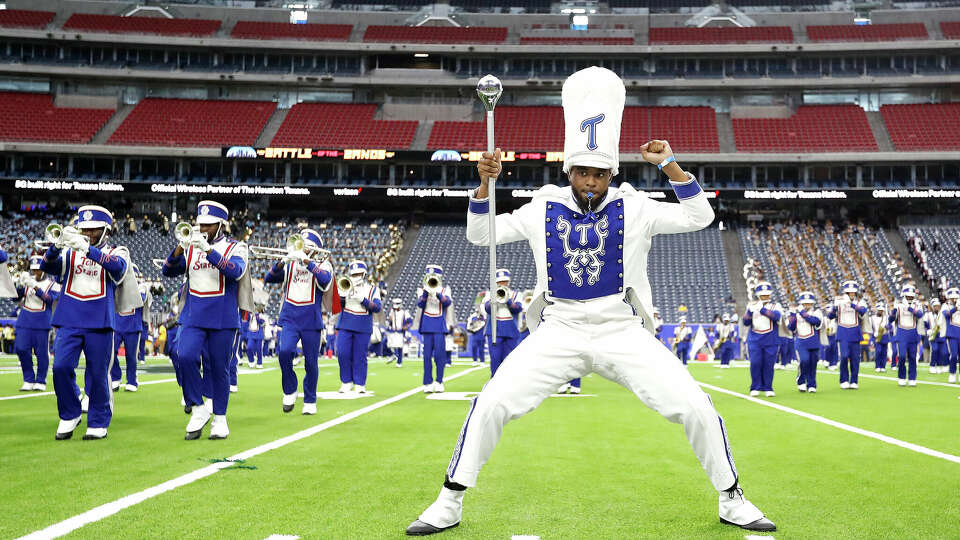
(621, 351)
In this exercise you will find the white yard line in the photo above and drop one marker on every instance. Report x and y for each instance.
(106, 510)
(892, 379)
(840, 425)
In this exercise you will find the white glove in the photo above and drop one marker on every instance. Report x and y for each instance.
(78, 243)
(199, 241)
(184, 244)
(298, 256)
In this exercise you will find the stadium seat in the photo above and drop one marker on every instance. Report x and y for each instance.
(812, 128)
(336, 125)
(923, 126)
(728, 34)
(435, 34)
(563, 40)
(141, 25)
(19, 18)
(193, 122)
(870, 32)
(272, 30)
(33, 117)
(951, 30)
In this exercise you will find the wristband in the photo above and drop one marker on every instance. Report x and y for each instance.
(666, 162)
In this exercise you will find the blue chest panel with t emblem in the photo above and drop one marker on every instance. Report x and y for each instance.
(584, 253)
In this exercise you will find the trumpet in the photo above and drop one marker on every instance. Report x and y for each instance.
(295, 243)
(433, 283)
(54, 235)
(501, 294)
(345, 285)
(183, 232)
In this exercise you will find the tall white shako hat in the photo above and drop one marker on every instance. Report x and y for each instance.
(397, 303)
(93, 217)
(764, 287)
(434, 269)
(952, 293)
(311, 239)
(210, 212)
(934, 302)
(593, 100)
(880, 306)
(725, 318)
(908, 291)
(357, 267)
(850, 286)
(503, 275)
(683, 318)
(807, 297)
(35, 262)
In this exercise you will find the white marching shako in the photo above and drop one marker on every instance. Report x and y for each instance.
(205, 279)
(301, 287)
(804, 328)
(86, 279)
(353, 305)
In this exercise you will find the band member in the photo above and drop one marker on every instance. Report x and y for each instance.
(218, 287)
(761, 318)
(681, 340)
(831, 355)
(399, 322)
(433, 319)
(807, 322)
(935, 333)
(951, 316)
(360, 301)
(254, 321)
(37, 296)
(786, 354)
(504, 308)
(882, 330)
(129, 333)
(476, 324)
(96, 286)
(307, 292)
(591, 313)
(905, 313)
(849, 312)
(658, 325)
(725, 337)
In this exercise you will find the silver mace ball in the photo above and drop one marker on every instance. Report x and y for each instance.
(489, 89)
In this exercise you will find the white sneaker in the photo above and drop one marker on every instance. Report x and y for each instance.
(876, 370)
(952, 378)
(883, 370)
(444, 513)
(427, 388)
(770, 393)
(39, 387)
(854, 386)
(802, 387)
(911, 383)
(218, 428)
(475, 364)
(208, 405)
(66, 427)
(259, 366)
(345, 387)
(398, 365)
(902, 382)
(933, 369)
(777, 367)
(296, 362)
(95, 433)
(289, 400)
(832, 368)
(564, 388)
(754, 393)
(233, 389)
(574, 389)
(198, 418)
(844, 385)
(309, 408)
(360, 389)
(812, 390)
(438, 387)
(27, 387)
(130, 388)
(84, 403)
(183, 402)
(115, 385)
(735, 509)
(250, 365)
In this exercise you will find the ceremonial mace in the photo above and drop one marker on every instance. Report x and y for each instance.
(489, 89)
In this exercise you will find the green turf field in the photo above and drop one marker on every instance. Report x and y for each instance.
(598, 466)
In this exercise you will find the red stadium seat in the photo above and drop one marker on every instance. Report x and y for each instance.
(193, 122)
(814, 128)
(870, 32)
(728, 34)
(271, 30)
(25, 19)
(436, 34)
(559, 40)
(923, 126)
(33, 117)
(334, 125)
(951, 30)
(541, 128)
(141, 25)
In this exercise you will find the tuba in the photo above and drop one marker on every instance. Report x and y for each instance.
(432, 283)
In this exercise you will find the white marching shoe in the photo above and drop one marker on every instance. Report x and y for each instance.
(208, 405)
(309, 408)
(902, 382)
(735, 509)
(770, 393)
(84, 403)
(398, 365)
(233, 388)
(854, 386)
(218, 428)
(250, 365)
(27, 386)
(912, 383)
(66, 427)
(812, 390)
(574, 390)
(444, 513)
(345, 387)
(95, 433)
(777, 367)
(844, 385)
(754, 393)
(934, 369)
(360, 389)
(198, 418)
(952, 378)
(564, 388)
(130, 388)
(438, 387)
(428, 388)
(802, 387)
(115, 385)
(39, 387)
(289, 400)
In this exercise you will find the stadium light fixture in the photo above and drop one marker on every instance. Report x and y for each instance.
(421, 55)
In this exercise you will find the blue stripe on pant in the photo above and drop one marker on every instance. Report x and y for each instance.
(434, 353)
(352, 356)
(907, 368)
(849, 361)
(808, 366)
(218, 346)
(97, 346)
(255, 348)
(30, 341)
(762, 360)
(499, 351)
(131, 344)
(235, 360)
(287, 351)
